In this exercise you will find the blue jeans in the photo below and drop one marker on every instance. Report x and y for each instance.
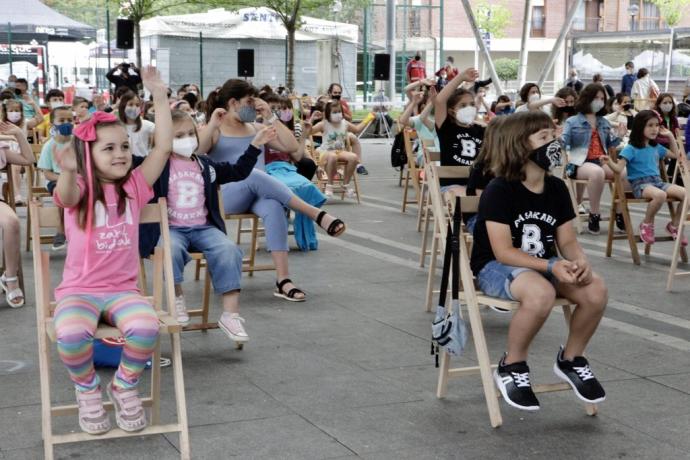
(224, 258)
(495, 279)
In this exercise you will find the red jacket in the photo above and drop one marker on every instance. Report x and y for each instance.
(416, 70)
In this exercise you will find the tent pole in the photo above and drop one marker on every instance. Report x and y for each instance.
(669, 61)
(482, 46)
(107, 38)
(201, 63)
(390, 46)
(365, 54)
(527, 22)
(9, 45)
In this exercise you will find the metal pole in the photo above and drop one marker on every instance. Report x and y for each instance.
(440, 32)
(482, 46)
(403, 75)
(670, 61)
(201, 64)
(559, 41)
(9, 45)
(365, 54)
(390, 45)
(526, 27)
(107, 38)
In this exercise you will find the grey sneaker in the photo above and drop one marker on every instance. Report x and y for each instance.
(59, 241)
(129, 411)
(93, 418)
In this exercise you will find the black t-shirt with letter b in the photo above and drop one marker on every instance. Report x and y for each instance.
(459, 146)
(532, 217)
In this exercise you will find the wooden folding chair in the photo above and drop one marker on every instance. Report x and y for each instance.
(425, 213)
(441, 216)
(412, 173)
(682, 170)
(473, 299)
(48, 217)
(423, 202)
(35, 191)
(622, 199)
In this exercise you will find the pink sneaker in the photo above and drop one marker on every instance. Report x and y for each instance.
(647, 233)
(93, 418)
(673, 230)
(129, 411)
(232, 325)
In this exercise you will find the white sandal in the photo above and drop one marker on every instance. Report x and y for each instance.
(14, 293)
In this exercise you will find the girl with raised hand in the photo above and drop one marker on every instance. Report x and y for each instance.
(525, 250)
(231, 128)
(102, 197)
(460, 137)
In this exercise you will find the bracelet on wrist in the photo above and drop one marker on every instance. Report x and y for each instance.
(552, 262)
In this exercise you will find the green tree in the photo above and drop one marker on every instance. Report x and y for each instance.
(290, 13)
(671, 10)
(506, 69)
(492, 17)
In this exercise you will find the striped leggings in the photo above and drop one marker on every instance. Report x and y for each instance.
(76, 319)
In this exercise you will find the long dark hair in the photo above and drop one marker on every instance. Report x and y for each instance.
(559, 113)
(231, 89)
(122, 104)
(586, 96)
(99, 195)
(637, 138)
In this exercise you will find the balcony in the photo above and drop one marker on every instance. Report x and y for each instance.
(588, 25)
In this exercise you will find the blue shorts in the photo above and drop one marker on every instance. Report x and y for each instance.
(495, 279)
(50, 186)
(639, 184)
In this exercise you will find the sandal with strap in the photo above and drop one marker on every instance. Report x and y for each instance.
(290, 296)
(14, 294)
(332, 229)
(93, 419)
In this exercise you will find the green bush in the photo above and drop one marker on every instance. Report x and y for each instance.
(506, 69)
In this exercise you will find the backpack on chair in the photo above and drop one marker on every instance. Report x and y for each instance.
(398, 154)
(449, 330)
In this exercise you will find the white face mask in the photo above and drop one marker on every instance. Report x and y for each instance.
(56, 104)
(14, 117)
(336, 117)
(534, 97)
(132, 112)
(597, 105)
(666, 107)
(466, 115)
(185, 146)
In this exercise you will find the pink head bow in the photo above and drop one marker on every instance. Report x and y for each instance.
(86, 131)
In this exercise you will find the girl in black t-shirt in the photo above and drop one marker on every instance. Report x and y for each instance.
(459, 136)
(524, 222)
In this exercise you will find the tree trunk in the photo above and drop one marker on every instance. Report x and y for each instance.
(137, 40)
(290, 83)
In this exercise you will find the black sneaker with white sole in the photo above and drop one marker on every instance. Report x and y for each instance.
(513, 382)
(620, 223)
(593, 226)
(579, 376)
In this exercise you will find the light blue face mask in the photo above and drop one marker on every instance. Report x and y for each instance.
(247, 114)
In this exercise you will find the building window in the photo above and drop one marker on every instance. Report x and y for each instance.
(415, 22)
(650, 18)
(538, 22)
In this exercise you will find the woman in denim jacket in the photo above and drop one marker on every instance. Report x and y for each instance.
(588, 136)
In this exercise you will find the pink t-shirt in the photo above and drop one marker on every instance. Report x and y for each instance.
(186, 199)
(113, 251)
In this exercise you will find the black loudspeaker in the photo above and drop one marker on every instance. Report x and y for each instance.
(245, 62)
(125, 34)
(382, 67)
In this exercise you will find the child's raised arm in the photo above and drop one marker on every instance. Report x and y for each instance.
(67, 189)
(26, 155)
(153, 165)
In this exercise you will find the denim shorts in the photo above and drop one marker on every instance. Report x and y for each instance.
(495, 279)
(639, 184)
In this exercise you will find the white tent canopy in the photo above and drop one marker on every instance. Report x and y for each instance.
(256, 23)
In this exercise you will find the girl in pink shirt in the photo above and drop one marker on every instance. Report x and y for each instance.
(102, 197)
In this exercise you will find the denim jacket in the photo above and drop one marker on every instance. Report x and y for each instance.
(577, 135)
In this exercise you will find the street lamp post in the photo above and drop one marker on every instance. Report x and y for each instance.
(633, 10)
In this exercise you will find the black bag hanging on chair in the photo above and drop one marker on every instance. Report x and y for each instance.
(398, 154)
(449, 330)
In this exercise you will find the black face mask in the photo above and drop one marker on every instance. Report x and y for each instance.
(548, 156)
(568, 109)
(336, 97)
(627, 107)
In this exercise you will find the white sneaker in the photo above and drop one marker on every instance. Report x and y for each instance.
(329, 191)
(231, 324)
(350, 191)
(181, 311)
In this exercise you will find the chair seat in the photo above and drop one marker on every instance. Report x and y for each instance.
(167, 325)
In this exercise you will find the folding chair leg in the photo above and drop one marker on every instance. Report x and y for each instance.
(142, 277)
(406, 186)
(432, 271)
(205, 300)
(180, 399)
(28, 231)
(356, 179)
(239, 232)
(444, 367)
(156, 384)
(421, 205)
(252, 248)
